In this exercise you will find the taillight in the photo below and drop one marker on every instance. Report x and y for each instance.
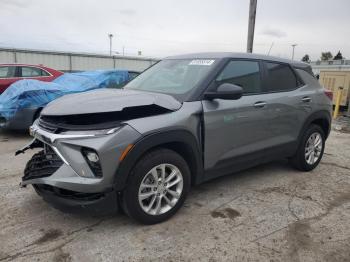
(328, 93)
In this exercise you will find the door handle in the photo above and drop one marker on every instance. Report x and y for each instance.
(306, 99)
(260, 104)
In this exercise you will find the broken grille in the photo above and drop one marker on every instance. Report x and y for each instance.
(42, 164)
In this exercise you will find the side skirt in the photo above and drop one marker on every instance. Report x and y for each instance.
(233, 165)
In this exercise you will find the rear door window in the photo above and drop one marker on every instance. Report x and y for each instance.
(280, 77)
(27, 71)
(7, 71)
(245, 74)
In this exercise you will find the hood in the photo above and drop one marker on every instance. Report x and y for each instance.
(108, 100)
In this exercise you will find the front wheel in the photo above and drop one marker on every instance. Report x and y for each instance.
(310, 150)
(157, 187)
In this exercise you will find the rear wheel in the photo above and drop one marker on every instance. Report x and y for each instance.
(310, 150)
(157, 187)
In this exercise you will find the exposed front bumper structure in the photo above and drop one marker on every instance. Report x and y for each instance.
(60, 173)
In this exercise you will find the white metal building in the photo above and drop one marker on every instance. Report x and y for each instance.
(330, 65)
(65, 61)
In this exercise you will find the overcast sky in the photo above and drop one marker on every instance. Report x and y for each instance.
(166, 27)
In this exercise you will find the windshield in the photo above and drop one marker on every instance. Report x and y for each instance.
(174, 76)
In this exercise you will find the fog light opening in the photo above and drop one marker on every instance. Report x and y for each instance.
(92, 157)
(93, 161)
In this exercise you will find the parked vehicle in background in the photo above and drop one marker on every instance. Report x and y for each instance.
(22, 102)
(184, 121)
(10, 73)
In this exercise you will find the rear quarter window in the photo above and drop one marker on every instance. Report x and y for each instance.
(308, 78)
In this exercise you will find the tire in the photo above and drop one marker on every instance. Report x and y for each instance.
(162, 193)
(307, 160)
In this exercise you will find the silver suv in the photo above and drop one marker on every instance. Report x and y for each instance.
(184, 121)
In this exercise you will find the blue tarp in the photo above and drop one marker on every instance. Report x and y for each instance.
(34, 94)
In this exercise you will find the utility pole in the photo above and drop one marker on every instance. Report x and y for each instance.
(251, 25)
(293, 45)
(110, 43)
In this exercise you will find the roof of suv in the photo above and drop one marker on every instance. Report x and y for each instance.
(220, 55)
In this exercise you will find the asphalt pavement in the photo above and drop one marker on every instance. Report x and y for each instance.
(268, 213)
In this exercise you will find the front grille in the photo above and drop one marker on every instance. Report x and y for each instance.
(47, 126)
(42, 164)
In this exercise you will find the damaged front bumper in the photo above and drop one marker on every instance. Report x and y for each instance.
(61, 173)
(71, 201)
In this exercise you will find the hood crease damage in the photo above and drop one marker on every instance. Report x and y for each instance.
(104, 109)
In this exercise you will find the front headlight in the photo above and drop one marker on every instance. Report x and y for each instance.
(98, 132)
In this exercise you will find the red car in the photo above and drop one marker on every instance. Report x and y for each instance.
(10, 73)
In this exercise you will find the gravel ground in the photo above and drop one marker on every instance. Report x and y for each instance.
(268, 213)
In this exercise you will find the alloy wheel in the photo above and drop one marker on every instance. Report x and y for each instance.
(160, 189)
(313, 148)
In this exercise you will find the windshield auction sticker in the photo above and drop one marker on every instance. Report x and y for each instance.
(204, 62)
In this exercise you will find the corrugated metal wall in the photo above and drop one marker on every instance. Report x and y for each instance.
(74, 61)
(332, 80)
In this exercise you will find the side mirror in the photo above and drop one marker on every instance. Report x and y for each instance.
(225, 91)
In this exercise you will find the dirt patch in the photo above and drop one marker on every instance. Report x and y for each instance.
(287, 192)
(298, 238)
(3, 255)
(276, 189)
(338, 201)
(216, 214)
(298, 234)
(340, 253)
(225, 213)
(50, 235)
(61, 256)
(231, 213)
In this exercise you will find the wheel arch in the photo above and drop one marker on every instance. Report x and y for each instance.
(322, 118)
(181, 141)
